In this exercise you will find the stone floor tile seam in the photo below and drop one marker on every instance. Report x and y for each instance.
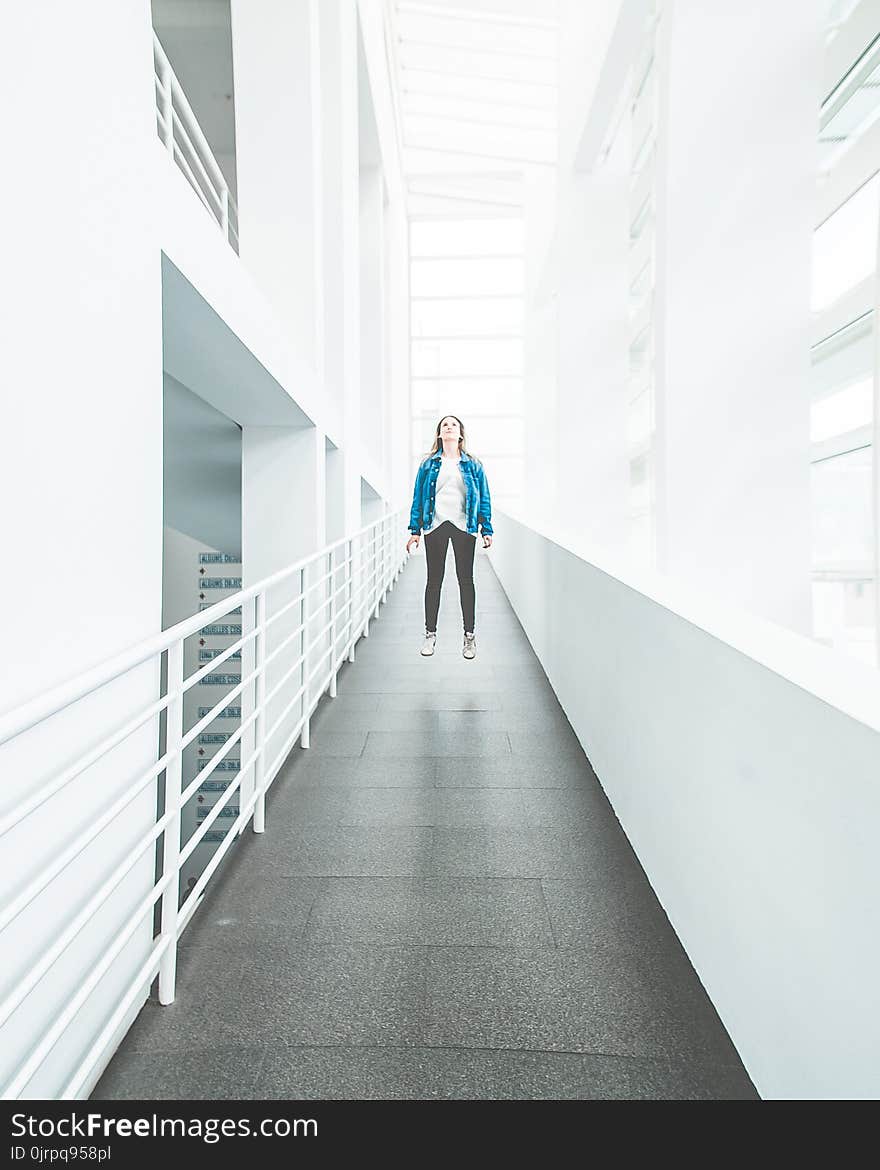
(700, 1063)
(546, 911)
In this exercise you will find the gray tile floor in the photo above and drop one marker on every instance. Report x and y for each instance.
(443, 906)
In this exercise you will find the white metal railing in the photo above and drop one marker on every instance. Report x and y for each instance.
(186, 143)
(354, 575)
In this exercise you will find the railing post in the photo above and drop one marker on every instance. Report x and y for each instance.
(332, 689)
(259, 708)
(384, 560)
(351, 598)
(171, 835)
(305, 738)
(366, 585)
(377, 562)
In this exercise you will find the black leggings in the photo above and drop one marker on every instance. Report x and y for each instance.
(463, 546)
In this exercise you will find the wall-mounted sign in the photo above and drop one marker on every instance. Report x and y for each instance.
(228, 813)
(214, 836)
(214, 785)
(212, 558)
(203, 605)
(209, 655)
(220, 583)
(219, 630)
(220, 680)
(214, 736)
(222, 766)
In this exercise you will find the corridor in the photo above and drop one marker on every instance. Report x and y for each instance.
(443, 905)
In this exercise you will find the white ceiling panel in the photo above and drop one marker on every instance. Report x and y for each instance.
(477, 90)
(443, 109)
(477, 33)
(468, 62)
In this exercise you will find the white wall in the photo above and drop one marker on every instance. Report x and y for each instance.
(734, 232)
(742, 762)
(580, 284)
(201, 474)
(283, 520)
(372, 316)
(81, 474)
(277, 125)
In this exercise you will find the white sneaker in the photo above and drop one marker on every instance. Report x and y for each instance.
(470, 646)
(428, 647)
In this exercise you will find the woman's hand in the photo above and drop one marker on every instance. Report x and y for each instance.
(487, 540)
(413, 540)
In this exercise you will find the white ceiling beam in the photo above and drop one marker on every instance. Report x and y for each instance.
(421, 91)
(476, 17)
(460, 47)
(469, 120)
(458, 151)
(471, 76)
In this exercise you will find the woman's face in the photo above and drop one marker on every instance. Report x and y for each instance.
(449, 428)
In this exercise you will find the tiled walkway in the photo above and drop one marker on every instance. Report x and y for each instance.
(443, 905)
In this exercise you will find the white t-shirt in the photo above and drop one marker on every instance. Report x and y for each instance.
(450, 495)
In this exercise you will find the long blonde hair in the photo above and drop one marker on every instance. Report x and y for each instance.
(438, 442)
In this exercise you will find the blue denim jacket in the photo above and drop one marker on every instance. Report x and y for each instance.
(478, 504)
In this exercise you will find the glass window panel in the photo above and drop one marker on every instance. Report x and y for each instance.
(842, 511)
(501, 115)
(641, 540)
(641, 219)
(851, 121)
(839, 13)
(847, 410)
(477, 33)
(438, 278)
(640, 493)
(640, 353)
(846, 357)
(466, 237)
(475, 138)
(467, 396)
(504, 472)
(479, 90)
(643, 154)
(464, 318)
(467, 358)
(640, 422)
(641, 290)
(490, 438)
(845, 246)
(467, 62)
(845, 616)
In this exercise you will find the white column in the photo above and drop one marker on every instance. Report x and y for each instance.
(339, 105)
(278, 157)
(397, 301)
(537, 489)
(281, 519)
(282, 504)
(372, 298)
(735, 205)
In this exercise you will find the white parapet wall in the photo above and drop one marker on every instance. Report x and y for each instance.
(743, 762)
